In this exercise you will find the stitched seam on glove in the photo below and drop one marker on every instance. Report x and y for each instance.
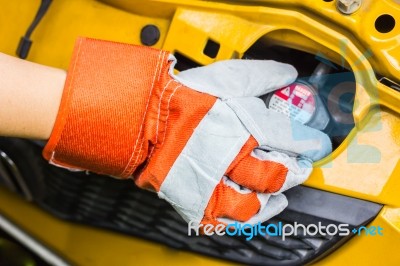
(129, 167)
(203, 179)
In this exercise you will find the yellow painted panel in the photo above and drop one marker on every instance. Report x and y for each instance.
(54, 37)
(186, 26)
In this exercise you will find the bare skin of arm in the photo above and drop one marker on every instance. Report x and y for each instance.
(30, 95)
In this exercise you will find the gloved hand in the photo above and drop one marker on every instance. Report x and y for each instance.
(202, 140)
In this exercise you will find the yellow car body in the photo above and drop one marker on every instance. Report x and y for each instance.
(185, 27)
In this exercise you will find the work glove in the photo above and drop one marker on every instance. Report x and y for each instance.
(202, 140)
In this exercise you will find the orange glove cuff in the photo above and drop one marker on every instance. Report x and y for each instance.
(100, 123)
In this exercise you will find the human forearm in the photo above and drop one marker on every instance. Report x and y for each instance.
(30, 95)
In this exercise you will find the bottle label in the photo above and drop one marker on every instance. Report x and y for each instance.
(295, 101)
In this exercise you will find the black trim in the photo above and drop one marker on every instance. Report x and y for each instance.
(184, 62)
(25, 42)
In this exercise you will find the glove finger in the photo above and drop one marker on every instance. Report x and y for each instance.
(264, 176)
(275, 131)
(232, 203)
(298, 169)
(267, 172)
(239, 78)
(271, 205)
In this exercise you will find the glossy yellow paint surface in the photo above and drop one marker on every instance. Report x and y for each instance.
(365, 166)
(384, 46)
(368, 164)
(54, 38)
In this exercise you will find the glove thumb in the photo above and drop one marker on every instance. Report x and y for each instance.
(239, 78)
